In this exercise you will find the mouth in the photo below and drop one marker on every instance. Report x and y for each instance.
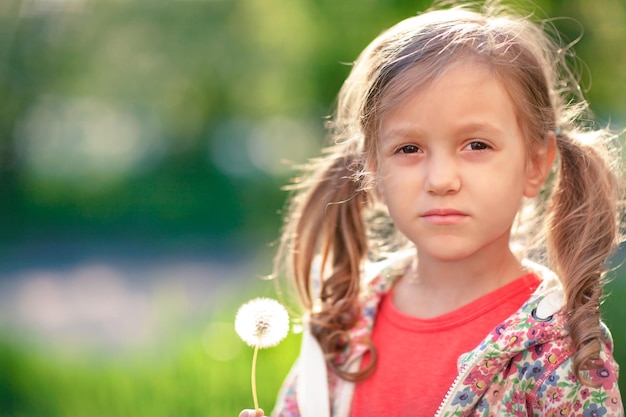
(444, 216)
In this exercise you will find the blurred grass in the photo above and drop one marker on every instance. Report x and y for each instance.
(185, 377)
(185, 381)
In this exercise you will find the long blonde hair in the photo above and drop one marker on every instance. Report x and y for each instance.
(334, 212)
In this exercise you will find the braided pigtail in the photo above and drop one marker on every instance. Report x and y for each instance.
(582, 232)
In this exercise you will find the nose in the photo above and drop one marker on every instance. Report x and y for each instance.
(442, 175)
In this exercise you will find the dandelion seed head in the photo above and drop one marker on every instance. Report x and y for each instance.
(263, 322)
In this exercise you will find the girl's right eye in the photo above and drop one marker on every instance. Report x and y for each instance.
(408, 149)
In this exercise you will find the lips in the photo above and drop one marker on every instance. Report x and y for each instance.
(444, 216)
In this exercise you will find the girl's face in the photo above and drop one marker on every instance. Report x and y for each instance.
(453, 165)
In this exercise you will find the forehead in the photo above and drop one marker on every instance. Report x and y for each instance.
(470, 94)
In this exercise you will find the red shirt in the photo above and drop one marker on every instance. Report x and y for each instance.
(417, 358)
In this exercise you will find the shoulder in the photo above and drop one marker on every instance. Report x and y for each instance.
(561, 392)
(540, 380)
(377, 278)
(556, 387)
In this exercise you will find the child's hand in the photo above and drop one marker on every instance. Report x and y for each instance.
(251, 413)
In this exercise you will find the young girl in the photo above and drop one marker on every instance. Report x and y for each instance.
(458, 136)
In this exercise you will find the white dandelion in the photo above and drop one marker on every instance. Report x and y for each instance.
(261, 323)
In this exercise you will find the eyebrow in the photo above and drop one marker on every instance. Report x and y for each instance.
(402, 133)
(478, 126)
(409, 132)
(388, 140)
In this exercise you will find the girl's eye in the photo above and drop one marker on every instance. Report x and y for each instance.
(477, 146)
(408, 149)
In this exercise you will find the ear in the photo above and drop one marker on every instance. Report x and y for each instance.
(539, 166)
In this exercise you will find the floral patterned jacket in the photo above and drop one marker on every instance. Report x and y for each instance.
(524, 367)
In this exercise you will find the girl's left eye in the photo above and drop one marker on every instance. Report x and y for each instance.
(477, 146)
(408, 149)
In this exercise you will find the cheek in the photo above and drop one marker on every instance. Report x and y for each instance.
(397, 193)
(385, 190)
(383, 184)
(379, 191)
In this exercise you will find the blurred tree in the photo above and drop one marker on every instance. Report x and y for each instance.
(146, 119)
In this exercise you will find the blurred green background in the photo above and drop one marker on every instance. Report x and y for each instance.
(143, 144)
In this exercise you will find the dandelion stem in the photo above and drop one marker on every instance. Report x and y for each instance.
(253, 379)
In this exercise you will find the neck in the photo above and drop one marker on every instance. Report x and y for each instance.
(443, 286)
(487, 272)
